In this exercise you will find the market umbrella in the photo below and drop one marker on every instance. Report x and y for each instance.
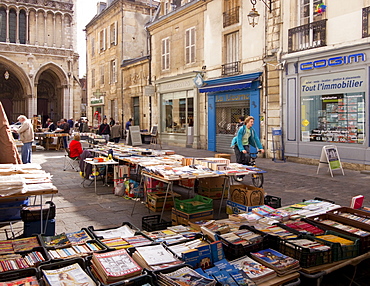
(8, 151)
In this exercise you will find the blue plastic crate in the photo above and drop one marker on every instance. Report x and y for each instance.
(11, 209)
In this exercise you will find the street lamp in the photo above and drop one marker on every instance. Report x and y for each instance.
(253, 15)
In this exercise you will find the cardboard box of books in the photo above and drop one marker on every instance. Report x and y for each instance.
(235, 208)
(179, 217)
(246, 195)
(155, 201)
(188, 183)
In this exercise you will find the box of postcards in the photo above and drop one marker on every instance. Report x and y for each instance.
(361, 218)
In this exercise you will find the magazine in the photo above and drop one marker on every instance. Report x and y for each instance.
(155, 254)
(187, 276)
(27, 281)
(123, 232)
(71, 275)
(276, 260)
(60, 240)
(78, 237)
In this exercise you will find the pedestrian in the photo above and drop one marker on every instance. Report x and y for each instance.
(104, 129)
(26, 137)
(64, 128)
(112, 122)
(116, 132)
(239, 124)
(70, 122)
(246, 137)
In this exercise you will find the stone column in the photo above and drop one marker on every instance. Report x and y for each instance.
(45, 29)
(32, 105)
(54, 31)
(17, 28)
(62, 31)
(27, 24)
(7, 25)
(36, 33)
(66, 101)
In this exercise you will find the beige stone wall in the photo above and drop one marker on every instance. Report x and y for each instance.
(128, 19)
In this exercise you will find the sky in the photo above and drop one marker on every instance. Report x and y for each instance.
(85, 11)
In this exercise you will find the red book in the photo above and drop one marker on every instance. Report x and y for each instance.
(357, 202)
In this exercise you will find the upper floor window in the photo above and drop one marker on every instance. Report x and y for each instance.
(102, 40)
(92, 47)
(165, 54)
(231, 12)
(307, 11)
(365, 22)
(113, 34)
(13, 27)
(2, 24)
(101, 74)
(113, 71)
(93, 78)
(190, 46)
(22, 27)
(232, 63)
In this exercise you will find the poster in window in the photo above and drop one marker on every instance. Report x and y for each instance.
(332, 117)
(360, 107)
(361, 117)
(352, 108)
(342, 116)
(331, 107)
(342, 108)
(360, 127)
(352, 101)
(352, 116)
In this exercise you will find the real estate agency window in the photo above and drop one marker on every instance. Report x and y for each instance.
(113, 71)
(333, 109)
(165, 54)
(190, 46)
(177, 111)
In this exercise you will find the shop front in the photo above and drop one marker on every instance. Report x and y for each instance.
(97, 105)
(326, 103)
(228, 99)
(179, 104)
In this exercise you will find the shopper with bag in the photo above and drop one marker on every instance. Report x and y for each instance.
(104, 130)
(246, 137)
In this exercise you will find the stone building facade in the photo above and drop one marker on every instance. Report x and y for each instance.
(38, 61)
(117, 33)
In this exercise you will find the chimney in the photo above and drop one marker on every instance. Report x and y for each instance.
(101, 6)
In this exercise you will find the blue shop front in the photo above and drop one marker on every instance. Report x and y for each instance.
(228, 99)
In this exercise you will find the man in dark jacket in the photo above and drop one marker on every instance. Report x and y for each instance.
(104, 129)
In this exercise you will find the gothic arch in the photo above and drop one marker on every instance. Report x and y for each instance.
(60, 73)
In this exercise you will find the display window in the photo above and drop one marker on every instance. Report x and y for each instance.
(177, 111)
(337, 118)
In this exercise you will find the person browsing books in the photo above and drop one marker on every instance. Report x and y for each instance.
(104, 129)
(75, 147)
(246, 137)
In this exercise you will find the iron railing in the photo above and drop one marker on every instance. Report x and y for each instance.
(231, 68)
(231, 16)
(309, 36)
(365, 22)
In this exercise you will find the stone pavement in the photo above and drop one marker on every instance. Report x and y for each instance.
(79, 207)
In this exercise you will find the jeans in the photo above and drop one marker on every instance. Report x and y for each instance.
(26, 152)
(106, 137)
(65, 143)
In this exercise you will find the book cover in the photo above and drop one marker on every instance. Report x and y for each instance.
(275, 259)
(191, 257)
(71, 275)
(155, 254)
(116, 263)
(187, 276)
(29, 281)
(217, 251)
(255, 270)
(205, 258)
(357, 201)
(60, 240)
(122, 231)
(25, 244)
(78, 237)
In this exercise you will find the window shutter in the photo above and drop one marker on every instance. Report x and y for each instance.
(104, 39)
(108, 36)
(115, 33)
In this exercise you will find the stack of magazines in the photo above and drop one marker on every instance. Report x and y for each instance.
(68, 275)
(29, 281)
(277, 261)
(113, 266)
(154, 257)
(184, 277)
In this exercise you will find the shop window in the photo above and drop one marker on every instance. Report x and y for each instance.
(165, 54)
(190, 46)
(22, 27)
(227, 116)
(177, 112)
(337, 118)
(2, 24)
(136, 109)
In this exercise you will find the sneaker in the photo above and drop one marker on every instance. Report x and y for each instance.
(239, 178)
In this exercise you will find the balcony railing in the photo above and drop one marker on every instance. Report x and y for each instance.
(231, 16)
(365, 22)
(231, 68)
(309, 36)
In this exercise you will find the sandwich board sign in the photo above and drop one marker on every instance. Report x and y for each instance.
(330, 157)
(134, 136)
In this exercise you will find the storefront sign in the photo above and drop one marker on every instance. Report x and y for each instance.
(97, 101)
(178, 85)
(231, 97)
(335, 61)
(331, 83)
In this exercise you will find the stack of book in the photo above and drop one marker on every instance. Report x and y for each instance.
(68, 275)
(185, 277)
(122, 231)
(255, 271)
(113, 266)
(345, 227)
(313, 246)
(277, 261)
(336, 239)
(120, 243)
(276, 231)
(243, 237)
(29, 281)
(154, 257)
(304, 227)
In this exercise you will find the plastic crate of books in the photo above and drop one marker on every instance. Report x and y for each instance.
(196, 204)
(19, 274)
(70, 269)
(153, 223)
(237, 249)
(123, 229)
(302, 227)
(307, 257)
(10, 209)
(272, 201)
(33, 213)
(361, 234)
(339, 251)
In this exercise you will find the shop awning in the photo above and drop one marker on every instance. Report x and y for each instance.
(229, 83)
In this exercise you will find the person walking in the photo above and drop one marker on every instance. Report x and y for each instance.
(26, 137)
(116, 132)
(246, 137)
(104, 129)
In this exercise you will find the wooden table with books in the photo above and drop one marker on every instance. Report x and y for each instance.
(46, 139)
